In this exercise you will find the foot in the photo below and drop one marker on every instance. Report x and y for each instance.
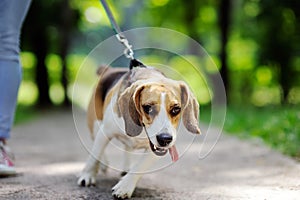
(87, 179)
(124, 188)
(6, 161)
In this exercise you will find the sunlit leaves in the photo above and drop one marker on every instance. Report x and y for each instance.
(242, 53)
(56, 93)
(263, 76)
(251, 8)
(54, 66)
(28, 60)
(263, 96)
(159, 2)
(208, 15)
(28, 93)
(93, 14)
(294, 95)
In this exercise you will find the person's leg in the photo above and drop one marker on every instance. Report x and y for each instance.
(12, 14)
(10, 77)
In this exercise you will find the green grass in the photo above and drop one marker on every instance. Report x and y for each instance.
(25, 114)
(279, 127)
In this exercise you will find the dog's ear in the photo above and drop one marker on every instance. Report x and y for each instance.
(128, 106)
(190, 110)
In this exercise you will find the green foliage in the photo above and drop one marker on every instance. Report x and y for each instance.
(24, 114)
(28, 91)
(92, 14)
(262, 50)
(279, 127)
(262, 56)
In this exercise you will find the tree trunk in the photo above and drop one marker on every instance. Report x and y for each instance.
(224, 23)
(190, 15)
(40, 50)
(65, 30)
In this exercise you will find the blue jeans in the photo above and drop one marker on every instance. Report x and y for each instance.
(12, 14)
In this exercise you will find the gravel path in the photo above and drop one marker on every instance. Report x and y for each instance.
(50, 155)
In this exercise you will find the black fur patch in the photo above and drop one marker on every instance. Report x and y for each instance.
(109, 81)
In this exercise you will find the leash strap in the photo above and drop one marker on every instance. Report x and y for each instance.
(112, 20)
(128, 52)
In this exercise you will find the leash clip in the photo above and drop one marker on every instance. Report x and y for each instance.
(128, 52)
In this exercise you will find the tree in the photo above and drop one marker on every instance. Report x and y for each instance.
(69, 18)
(47, 29)
(278, 29)
(35, 39)
(224, 23)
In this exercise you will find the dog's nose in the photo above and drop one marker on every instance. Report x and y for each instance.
(164, 139)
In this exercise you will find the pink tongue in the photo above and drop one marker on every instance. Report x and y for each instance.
(174, 154)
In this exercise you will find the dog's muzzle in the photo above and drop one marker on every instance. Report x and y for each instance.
(164, 139)
(157, 150)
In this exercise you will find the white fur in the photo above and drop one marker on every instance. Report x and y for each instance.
(125, 187)
(161, 124)
(114, 127)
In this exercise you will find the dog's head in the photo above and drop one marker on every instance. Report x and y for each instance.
(159, 107)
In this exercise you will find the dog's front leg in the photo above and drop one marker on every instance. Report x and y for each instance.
(125, 187)
(126, 164)
(88, 174)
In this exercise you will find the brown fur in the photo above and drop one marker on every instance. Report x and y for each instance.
(108, 77)
(129, 85)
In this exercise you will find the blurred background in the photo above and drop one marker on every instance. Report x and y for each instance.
(255, 45)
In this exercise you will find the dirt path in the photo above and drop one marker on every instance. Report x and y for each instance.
(50, 156)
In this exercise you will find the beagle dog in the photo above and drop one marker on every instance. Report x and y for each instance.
(140, 102)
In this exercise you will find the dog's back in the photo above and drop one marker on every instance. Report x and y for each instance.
(108, 78)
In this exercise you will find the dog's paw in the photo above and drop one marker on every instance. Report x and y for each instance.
(86, 179)
(123, 189)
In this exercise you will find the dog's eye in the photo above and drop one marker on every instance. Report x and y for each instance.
(148, 109)
(175, 110)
